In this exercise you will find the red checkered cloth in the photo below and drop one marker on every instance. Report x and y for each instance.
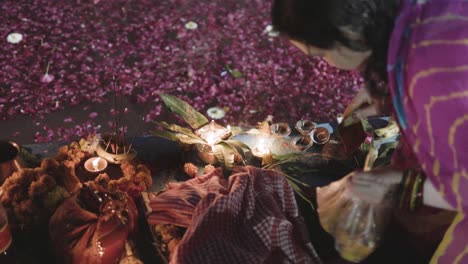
(252, 218)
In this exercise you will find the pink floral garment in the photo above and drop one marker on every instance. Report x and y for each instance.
(428, 76)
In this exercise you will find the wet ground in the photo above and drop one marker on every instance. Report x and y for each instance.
(59, 61)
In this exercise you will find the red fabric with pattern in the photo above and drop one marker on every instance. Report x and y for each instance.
(252, 218)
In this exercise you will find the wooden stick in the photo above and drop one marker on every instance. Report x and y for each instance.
(115, 114)
(107, 146)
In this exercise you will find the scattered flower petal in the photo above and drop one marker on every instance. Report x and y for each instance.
(369, 138)
(273, 34)
(14, 38)
(270, 30)
(215, 112)
(47, 78)
(191, 25)
(155, 50)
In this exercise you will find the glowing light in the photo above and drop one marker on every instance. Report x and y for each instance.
(211, 138)
(261, 148)
(212, 133)
(96, 164)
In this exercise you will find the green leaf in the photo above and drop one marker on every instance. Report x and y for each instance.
(296, 181)
(193, 118)
(240, 148)
(189, 140)
(386, 149)
(165, 134)
(366, 125)
(385, 154)
(225, 155)
(179, 133)
(365, 147)
(300, 192)
(236, 74)
(177, 129)
(288, 158)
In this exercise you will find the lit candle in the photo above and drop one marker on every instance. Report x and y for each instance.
(213, 132)
(211, 138)
(261, 148)
(95, 164)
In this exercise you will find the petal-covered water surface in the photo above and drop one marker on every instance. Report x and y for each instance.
(79, 64)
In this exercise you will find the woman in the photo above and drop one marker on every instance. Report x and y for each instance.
(414, 57)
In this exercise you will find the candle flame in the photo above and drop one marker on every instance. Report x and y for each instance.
(211, 138)
(261, 148)
(96, 164)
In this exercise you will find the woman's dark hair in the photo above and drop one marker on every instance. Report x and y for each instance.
(320, 23)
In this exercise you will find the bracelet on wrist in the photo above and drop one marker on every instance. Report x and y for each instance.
(412, 188)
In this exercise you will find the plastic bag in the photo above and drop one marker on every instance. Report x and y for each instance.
(356, 225)
(359, 229)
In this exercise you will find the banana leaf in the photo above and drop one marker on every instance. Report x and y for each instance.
(190, 115)
(299, 191)
(165, 134)
(225, 155)
(240, 148)
(188, 139)
(283, 159)
(177, 129)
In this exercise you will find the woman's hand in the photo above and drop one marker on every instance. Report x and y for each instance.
(375, 186)
(372, 186)
(362, 106)
(330, 200)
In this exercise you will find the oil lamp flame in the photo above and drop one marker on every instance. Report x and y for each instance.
(96, 164)
(261, 148)
(212, 133)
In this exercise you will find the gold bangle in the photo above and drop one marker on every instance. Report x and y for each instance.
(404, 191)
(416, 193)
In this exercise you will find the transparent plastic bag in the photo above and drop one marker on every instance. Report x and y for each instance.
(356, 225)
(360, 226)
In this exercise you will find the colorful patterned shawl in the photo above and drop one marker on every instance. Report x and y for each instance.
(428, 77)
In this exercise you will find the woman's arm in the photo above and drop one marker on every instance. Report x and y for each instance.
(374, 186)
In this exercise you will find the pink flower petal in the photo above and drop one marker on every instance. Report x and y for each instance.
(93, 115)
(47, 78)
